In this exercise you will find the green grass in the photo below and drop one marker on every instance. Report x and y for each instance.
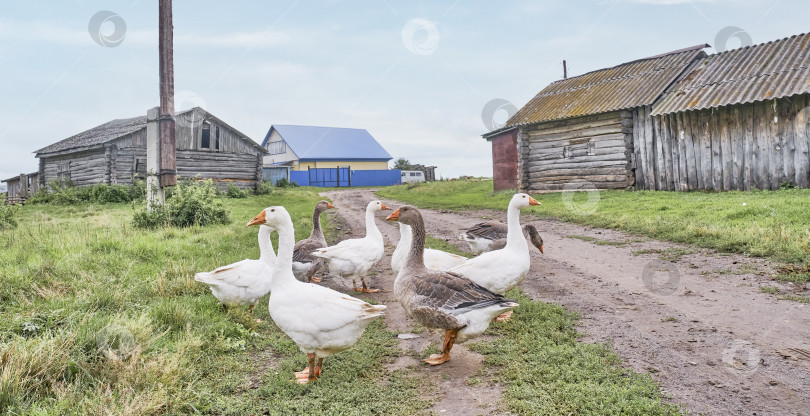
(547, 371)
(772, 290)
(771, 224)
(80, 277)
(441, 244)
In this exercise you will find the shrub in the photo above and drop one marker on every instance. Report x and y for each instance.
(191, 203)
(8, 215)
(265, 188)
(236, 192)
(285, 183)
(64, 193)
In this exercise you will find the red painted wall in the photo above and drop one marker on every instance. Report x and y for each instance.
(505, 161)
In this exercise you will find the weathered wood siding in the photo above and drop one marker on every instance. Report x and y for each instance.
(738, 147)
(86, 168)
(592, 148)
(229, 159)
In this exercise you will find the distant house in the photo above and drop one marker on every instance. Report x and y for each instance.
(19, 188)
(685, 120)
(304, 147)
(326, 156)
(115, 153)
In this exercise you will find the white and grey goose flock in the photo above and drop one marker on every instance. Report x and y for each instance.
(321, 321)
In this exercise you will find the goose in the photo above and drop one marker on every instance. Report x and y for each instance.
(353, 258)
(489, 236)
(503, 269)
(246, 281)
(305, 265)
(441, 299)
(434, 259)
(321, 321)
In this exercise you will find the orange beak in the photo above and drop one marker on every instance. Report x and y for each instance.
(329, 205)
(257, 220)
(533, 201)
(385, 207)
(541, 249)
(393, 217)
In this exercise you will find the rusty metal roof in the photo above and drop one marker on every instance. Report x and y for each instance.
(628, 85)
(761, 72)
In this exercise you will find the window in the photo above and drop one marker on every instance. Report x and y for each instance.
(140, 169)
(413, 174)
(216, 146)
(275, 148)
(205, 143)
(63, 171)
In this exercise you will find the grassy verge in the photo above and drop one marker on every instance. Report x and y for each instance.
(98, 317)
(546, 371)
(771, 224)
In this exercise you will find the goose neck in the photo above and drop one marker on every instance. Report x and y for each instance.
(266, 252)
(316, 225)
(416, 256)
(371, 225)
(514, 235)
(283, 275)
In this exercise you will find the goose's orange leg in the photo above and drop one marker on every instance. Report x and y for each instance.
(504, 316)
(307, 374)
(449, 339)
(365, 288)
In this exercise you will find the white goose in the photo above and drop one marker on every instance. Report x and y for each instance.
(434, 259)
(246, 281)
(321, 321)
(353, 258)
(501, 270)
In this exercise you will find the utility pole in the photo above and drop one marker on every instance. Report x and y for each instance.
(565, 70)
(161, 152)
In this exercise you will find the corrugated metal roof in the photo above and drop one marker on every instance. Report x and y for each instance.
(754, 73)
(329, 143)
(628, 85)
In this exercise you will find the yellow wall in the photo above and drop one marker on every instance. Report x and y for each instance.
(333, 164)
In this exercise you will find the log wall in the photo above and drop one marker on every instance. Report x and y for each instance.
(597, 148)
(739, 147)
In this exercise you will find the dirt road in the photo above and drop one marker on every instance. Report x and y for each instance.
(696, 320)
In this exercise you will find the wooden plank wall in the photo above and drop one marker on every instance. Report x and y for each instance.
(739, 147)
(593, 148)
(86, 168)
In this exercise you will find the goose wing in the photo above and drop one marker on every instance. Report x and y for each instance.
(453, 293)
(245, 273)
(488, 230)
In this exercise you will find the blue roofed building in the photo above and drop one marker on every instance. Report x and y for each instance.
(303, 147)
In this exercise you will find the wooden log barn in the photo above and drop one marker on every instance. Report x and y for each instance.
(115, 153)
(680, 121)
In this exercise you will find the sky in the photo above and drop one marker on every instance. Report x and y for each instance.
(418, 75)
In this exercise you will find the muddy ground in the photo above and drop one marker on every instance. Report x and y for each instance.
(696, 320)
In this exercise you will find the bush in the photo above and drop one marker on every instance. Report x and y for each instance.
(285, 183)
(64, 193)
(8, 215)
(191, 203)
(265, 188)
(236, 192)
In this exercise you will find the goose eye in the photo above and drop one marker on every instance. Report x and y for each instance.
(272, 210)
